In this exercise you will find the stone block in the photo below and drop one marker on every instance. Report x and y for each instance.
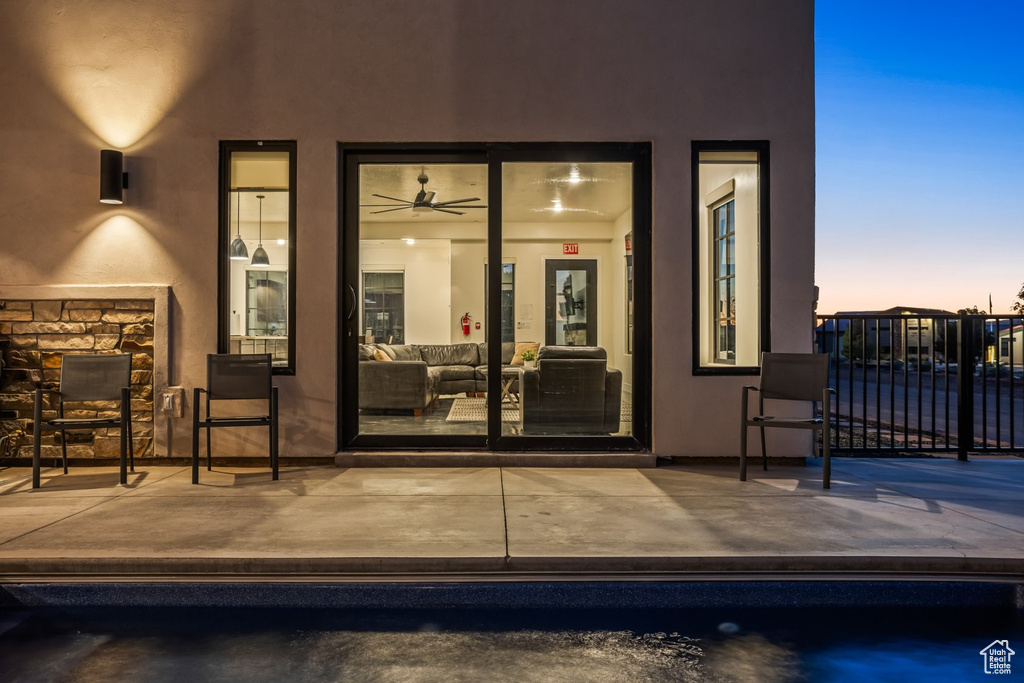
(142, 361)
(134, 305)
(66, 341)
(142, 417)
(45, 311)
(80, 413)
(17, 305)
(23, 358)
(127, 317)
(6, 328)
(107, 446)
(23, 341)
(8, 314)
(141, 429)
(110, 447)
(51, 453)
(142, 376)
(88, 303)
(23, 375)
(49, 328)
(85, 314)
(46, 452)
(103, 328)
(105, 342)
(129, 346)
(143, 391)
(52, 360)
(142, 405)
(143, 329)
(52, 376)
(75, 436)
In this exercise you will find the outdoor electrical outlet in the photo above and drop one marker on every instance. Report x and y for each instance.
(172, 400)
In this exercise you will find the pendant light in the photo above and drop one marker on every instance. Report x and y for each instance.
(260, 258)
(238, 250)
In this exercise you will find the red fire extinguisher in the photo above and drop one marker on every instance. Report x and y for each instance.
(465, 324)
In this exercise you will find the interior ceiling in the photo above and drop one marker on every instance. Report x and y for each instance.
(245, 203)
(531, 191)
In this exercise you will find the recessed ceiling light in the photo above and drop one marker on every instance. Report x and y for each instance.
(574, 175)
(282, 241)
(557, 205)
(408, 240)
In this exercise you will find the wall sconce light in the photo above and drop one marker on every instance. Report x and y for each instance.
(113, 179)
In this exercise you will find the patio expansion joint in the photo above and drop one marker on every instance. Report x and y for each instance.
(102, 501)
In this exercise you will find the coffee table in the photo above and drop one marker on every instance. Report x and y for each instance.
(509, 374)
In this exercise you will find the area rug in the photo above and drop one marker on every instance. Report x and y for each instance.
(475, 410)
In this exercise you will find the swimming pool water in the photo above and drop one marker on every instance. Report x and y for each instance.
(834, 644)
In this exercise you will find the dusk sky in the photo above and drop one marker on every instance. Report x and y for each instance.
(920, 154)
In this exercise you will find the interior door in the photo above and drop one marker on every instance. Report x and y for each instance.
(571, 288)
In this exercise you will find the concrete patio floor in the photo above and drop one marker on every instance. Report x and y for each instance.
(932, 516)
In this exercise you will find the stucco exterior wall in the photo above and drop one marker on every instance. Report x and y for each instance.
(165, 82)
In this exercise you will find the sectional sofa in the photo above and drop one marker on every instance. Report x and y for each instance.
(572, 391)
(417, 373)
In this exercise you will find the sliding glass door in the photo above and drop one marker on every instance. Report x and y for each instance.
(440, 350)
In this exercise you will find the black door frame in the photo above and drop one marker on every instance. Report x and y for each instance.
(552, 265)
(351, 155)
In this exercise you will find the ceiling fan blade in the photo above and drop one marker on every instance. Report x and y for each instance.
(457, 213)
(390, 210)
(462, 206)
(457, 201)
(382, 196)
(392, 205)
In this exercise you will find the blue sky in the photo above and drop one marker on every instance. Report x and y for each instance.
(920, 154)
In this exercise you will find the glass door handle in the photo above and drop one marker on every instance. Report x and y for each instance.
(352, 310)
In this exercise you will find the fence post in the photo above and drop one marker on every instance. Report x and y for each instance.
(965, 386)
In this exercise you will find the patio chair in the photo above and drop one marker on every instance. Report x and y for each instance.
(790, 377)
(88, 377)
(235, 377)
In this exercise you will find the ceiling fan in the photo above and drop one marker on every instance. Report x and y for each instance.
(425, 201)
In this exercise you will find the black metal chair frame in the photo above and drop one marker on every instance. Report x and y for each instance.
(790, 377)
(257, 374)
(88, 377)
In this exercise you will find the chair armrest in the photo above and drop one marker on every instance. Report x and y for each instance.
(747, 388)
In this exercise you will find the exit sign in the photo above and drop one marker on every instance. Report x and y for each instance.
(571, 248)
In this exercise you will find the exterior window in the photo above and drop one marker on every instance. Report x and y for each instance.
(730, 222)
(384, 307)
(508, 300)
(257, 250)
(724, 237)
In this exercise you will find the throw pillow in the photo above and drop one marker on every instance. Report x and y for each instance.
(380, 355)
(517, 355)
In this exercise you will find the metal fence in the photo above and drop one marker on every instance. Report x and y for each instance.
(925, 382)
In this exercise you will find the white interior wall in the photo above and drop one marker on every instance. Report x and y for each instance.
(617, 348)
(428, 287)
(713, 176)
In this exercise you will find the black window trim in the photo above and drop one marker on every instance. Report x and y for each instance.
(494, 154)
(227, 147)
(764, 211)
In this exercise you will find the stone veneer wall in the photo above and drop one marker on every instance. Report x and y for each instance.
(38, 334)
